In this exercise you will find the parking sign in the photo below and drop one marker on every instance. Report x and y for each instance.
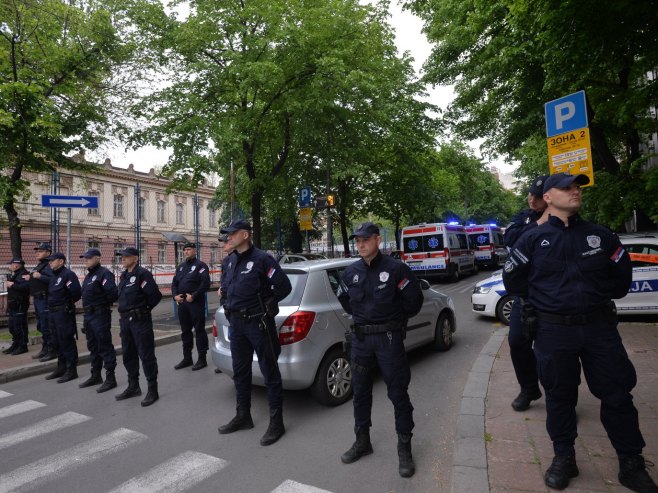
(305, 197)
(566, 114)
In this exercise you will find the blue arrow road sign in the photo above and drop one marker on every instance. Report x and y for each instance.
(69, 201)
(566, 114)
(305, 197)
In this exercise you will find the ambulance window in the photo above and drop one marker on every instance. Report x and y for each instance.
(463, 242)
(498, 239)
(412, 244)
(433, 243)
(479, 239)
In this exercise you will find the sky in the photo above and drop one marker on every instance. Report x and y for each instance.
(408, 38)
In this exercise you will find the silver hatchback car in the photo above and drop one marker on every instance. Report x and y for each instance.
(312, 323)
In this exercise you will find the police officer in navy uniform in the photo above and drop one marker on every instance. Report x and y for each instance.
(99, 291)
(63, 292)
(569, 270)
(39, 280)
(523, 357)
(251, 288)
(381, 293)
(18, 301)
(138, 295)
(227, 249)
(188, 289)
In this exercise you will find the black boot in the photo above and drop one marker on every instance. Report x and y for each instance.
(275, 430)
(19, 350)
(241, 421)
(407, 467)
(132, 390)
(360, 447)
(109, 383)
(41, 354)
(201, 362)
(70, 374)
(152, 394)
(186, 361)
(633, 474)
(562, 469)
(94, 379)
(61, 369)
(525, 397)
(10, 349)
(50, 355)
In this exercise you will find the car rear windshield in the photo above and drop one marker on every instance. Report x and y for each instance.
(298, 281)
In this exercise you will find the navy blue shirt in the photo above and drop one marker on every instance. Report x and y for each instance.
(519, 224)
(250, 273)
(192, 277)
(384, 291)
(568, 270)
(64, 288)
(18, 295)
(99, 287)
(39, 287)
(137, 289)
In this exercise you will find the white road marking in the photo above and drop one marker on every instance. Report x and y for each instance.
(290, 486)
(41, 428)
(61, 463)
(177, 474)
(4, 394)
(21, 407)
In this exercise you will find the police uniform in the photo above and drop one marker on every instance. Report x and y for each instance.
(18, 301)
(192, 277)
(138, 295)
(252, 285)
(64, 291)
(381, 296)
(39, 292)
(570, 274)
(99, 291)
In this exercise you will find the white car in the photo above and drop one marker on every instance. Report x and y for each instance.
(491, 299)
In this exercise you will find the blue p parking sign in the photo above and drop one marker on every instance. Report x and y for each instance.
(305, 197)
(566, 114)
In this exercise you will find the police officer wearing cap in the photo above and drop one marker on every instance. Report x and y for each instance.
(381, 293)
(99, 291)
(63, 292)
(520, 343)
(39, 280)
(251, 287)
(18, 301)
(138, 295)
(189, 287)
(569, 270)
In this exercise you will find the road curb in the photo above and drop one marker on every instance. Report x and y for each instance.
(469, 467)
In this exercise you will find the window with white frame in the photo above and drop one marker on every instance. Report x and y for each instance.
(118, 205)
(162, 252)
(180, 214)
(161, 211)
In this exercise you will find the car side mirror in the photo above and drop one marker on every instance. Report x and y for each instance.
(424, 284)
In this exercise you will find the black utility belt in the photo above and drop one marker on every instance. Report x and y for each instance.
(367, 329)
(136, 313)
(606, 313)
(245, 313)
(95, 308)
(40, 295)
(58, 308)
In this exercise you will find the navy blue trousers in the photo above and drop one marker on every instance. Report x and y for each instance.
(523, 357)
(192, 316)
(246, 337)
(377, 350)
(99, 340)
(609, 374)
(138, 343)
(17, 322)
(41, 309)
(64, 330)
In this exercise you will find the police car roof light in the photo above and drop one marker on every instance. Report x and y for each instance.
(453, 223)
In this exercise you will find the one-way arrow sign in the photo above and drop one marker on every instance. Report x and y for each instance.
(69, 201)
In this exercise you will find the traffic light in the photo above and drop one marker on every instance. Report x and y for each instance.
(330, 200)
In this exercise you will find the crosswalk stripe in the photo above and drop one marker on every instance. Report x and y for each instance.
(4, 394)
(58, 464)
(41, 428)
(177, 474)
(290, 486)
(21, 407)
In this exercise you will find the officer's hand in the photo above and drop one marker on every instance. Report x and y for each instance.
(9, 284)
(189, 298)
(219, 292)
(178, 298)
(26, 277)
(36, 275)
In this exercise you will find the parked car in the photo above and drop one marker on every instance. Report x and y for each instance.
(289, 258)
(491, 299)
(312, 323)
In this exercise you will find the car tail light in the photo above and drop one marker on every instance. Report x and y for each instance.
(214, 328)
(446, 254)
(296, 327)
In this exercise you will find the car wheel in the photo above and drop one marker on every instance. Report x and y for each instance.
(504, 308)
(443, 333)
(333, 382)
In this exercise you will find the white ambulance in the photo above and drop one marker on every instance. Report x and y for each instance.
(487, 242)
(438, 249)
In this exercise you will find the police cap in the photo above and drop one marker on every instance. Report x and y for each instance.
(365, 230)
(92, 252)
(236, 225)
(537, 185)
(16, 260)
(223, 238)
(189, 244)
(56, 255)
(129, 251)
(563, 180)
(43, 246)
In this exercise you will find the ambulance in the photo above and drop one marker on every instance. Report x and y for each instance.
(438, 249)
(487, 242)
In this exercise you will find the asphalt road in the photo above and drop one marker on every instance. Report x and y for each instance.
(66, 439)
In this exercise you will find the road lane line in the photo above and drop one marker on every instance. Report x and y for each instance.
(177, 474)
(4, 394)
(290, 486)
(21, 407)
(41, 428)
(61, 463)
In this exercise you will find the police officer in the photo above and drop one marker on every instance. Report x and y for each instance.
(381, 293)
(18, 301)
(99, 291)
(252, 286)
(570, 270)
(189, 288)
(138, 295)
(227, 249)
(39, 280)
(523, 357)
(63, 291)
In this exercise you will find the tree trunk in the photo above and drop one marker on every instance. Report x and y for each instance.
(256, 209)
(14, 228)
(342, 217)
(397, 232)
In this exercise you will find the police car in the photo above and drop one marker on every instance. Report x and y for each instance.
(491, 299)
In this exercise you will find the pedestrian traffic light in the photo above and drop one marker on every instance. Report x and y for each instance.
(330, 200)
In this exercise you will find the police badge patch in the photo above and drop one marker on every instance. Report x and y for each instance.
(132, 278)
(249, 265)
(355, 279)
(594, 241)
(509, 266)
(383, 276)
(193, 268)
(93, 279)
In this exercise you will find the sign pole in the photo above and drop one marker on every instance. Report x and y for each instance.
(68, 237)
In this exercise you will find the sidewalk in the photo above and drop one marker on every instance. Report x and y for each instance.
(518, 449)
